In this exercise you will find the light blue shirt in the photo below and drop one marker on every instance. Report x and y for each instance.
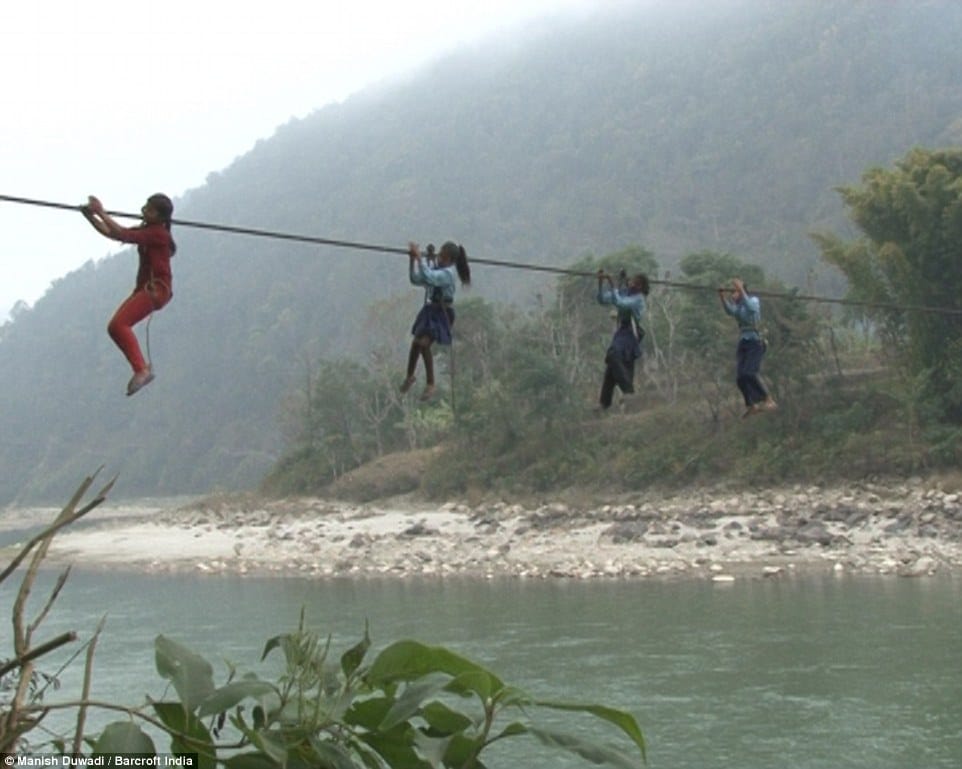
(748, 312)
(628, 305)
(438, 282)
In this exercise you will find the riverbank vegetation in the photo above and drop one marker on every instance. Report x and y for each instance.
(683, 127)
(863, 389)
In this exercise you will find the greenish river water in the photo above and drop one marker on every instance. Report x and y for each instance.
(802, 672)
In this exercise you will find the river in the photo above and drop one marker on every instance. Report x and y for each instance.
(801, 672)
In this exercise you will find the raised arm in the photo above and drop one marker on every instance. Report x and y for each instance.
(103, 222)
(606, 294)
(726, 303)
(414, 265)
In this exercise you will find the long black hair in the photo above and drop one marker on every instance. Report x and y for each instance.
(643, 285)
(164, 206)
(456, 253)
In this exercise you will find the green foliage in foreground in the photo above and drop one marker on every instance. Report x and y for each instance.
(415, 706)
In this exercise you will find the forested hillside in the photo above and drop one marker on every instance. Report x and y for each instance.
(721, 126)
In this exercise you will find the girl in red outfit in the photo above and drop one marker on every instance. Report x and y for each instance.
(153, 288)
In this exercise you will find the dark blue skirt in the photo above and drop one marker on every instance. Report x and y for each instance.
(624, 346)
(434, 320)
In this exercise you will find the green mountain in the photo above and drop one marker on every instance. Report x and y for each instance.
(722, 126)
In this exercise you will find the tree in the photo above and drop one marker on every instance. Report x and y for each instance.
(327, 422)
(910, 254)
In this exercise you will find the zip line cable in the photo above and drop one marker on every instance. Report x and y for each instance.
(276, 235)
(220, 227)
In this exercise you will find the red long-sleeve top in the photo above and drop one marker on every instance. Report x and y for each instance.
(154, 246)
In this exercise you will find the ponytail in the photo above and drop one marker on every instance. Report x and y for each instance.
(459, 256)
(464, 269)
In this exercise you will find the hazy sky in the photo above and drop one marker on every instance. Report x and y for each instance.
(122, 99)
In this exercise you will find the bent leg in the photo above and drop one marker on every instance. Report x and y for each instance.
(132, 310)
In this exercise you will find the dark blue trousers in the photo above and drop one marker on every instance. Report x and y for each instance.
(749, 360)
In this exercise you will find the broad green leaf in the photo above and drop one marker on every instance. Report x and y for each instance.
(443, 720)
(331, 756)
(596, 754)
(479, 682)
(624, 721)
(511, 696)
(432, 749)
(191, 675)
(512, 730)
(409, 702)
(339, 703)
(175, 718)
(351, 659)
(287, 643)
(123, 737)
(369, 713)
(460, 749)
(396, 747)
(228, 696)
(410, 660)
(272, 643)
(270, 743)
(363, 753)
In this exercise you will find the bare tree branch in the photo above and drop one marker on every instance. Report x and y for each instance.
(38, 651)
(88, 671)
(65, 518)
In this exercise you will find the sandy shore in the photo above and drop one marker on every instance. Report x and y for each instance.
(911, 528)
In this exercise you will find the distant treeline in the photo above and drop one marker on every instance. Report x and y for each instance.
(721, 130)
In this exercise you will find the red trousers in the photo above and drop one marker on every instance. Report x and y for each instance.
(132, 310)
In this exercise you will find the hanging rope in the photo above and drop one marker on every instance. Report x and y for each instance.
(358, 245)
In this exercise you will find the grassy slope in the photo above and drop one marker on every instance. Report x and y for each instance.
(859, 431)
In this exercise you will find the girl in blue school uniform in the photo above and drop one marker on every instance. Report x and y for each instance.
(625, 347)
(436, 318)
(747, 311)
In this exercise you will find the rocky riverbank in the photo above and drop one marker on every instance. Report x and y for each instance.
(910, 528)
